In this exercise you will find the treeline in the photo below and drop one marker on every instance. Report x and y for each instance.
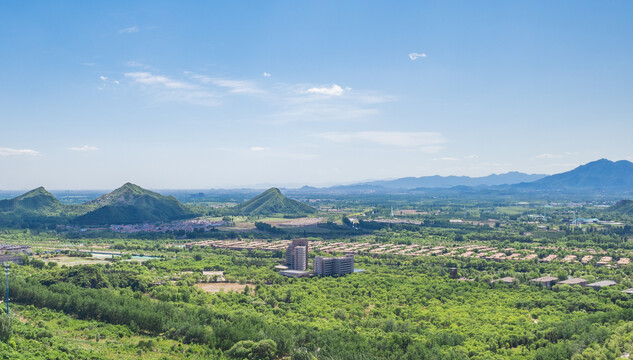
(220, 329)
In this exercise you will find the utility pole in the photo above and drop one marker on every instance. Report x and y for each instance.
(6, 271)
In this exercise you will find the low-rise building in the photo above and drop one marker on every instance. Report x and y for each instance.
(6, 249)
(601, 284)
(294, 273)
(547, 281)
(506, 280)
(586, 259)
(574, 281)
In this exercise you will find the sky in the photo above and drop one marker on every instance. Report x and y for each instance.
(227, 94)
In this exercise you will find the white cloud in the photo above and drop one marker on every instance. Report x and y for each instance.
(234, 86)
(449, 159)
(415, 56)
(334, 90)
(472, 156)
(16, 152)
(129, 30)
(266, 74)
(237, 86)
(84, 148)
(103, 78)
(147, 78)
(424, 141)
(548, 156)
(259, 148)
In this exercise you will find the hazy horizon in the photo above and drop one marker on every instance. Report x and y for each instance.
(262, 186)
(203, 95)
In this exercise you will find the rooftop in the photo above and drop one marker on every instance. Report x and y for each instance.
(602, 283)
(573, 281)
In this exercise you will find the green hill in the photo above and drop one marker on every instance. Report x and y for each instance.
(270, 202)
(624, 207)
(34, 209)
(37, 201)
(131, 204)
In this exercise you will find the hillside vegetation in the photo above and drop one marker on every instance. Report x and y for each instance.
(624, 207)
(132, 204)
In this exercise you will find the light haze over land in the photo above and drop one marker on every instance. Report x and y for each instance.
(200, 94)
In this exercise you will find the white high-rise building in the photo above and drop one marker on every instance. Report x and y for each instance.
(297, 255)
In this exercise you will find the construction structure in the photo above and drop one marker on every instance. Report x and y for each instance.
(327, 266)
(297, 255)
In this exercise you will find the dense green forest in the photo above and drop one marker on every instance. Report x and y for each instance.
(200, 302)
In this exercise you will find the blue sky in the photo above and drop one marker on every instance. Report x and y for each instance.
(229, 94)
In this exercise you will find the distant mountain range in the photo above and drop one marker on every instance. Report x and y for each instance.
(603, 176)
(600, 175)
(133, 204)
(270, 202)
(437, 181)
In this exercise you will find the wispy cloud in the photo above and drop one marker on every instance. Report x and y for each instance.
(147, 78)
(415, 56)
(164, 88)
(424, 141)
(84, 148)
(289, 102)
(448, 158)
(265, 74)
(234, 86)
(548, 156)
(238, 86)
(137, 64)
(333, 90)
(105, 80)
(471, 156)
(129, 30)
(4, 151)
(269, 153)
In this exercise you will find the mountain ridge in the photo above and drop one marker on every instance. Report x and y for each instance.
(602, 175)
(272, 201)
(437, 181)
(131, 204)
